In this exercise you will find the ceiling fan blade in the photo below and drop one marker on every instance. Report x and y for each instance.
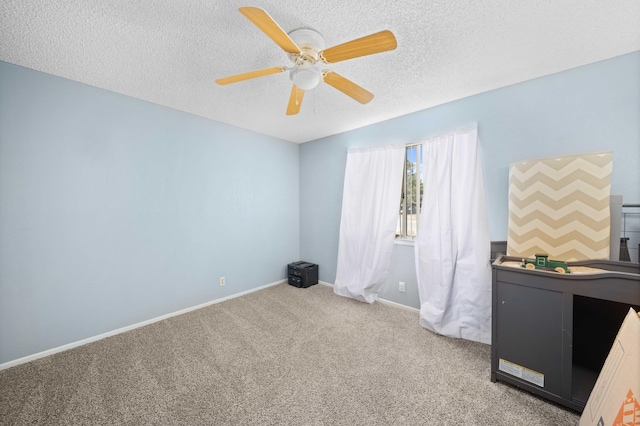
(295, 100)
(262, 20)
(249, 75)
(367, 45)
(347, 87)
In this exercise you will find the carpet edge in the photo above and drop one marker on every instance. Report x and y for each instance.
(62, 348)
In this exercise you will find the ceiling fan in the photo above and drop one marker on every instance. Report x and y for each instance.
(306, 50)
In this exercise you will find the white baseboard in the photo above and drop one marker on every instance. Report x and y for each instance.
(385, 301)
(399, 305)
(58, 349)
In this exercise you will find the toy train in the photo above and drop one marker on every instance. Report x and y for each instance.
(543, 262)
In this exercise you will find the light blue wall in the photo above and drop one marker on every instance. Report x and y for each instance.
(114, 211)
(591, 108)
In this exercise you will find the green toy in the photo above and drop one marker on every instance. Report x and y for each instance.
(543, 262)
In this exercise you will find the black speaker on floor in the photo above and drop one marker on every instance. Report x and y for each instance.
(302, 274)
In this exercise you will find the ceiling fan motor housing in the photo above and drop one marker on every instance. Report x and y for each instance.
(306, 75)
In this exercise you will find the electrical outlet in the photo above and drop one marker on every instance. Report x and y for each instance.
(222, 280)
(401, 286)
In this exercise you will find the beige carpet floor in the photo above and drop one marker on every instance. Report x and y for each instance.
(279, 356)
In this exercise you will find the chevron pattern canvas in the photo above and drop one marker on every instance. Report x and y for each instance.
(560, 206)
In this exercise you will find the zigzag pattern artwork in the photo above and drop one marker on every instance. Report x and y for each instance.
(560, 206)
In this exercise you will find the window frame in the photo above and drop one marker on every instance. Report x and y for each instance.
(404, 235)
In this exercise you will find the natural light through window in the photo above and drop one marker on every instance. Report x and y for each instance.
(411, 200)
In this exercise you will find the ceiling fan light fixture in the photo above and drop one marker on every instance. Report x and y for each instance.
(306, 76)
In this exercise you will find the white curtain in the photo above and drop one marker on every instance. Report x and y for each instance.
(370, 202)
(452, 246)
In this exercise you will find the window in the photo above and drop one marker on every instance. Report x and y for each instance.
(411, 200)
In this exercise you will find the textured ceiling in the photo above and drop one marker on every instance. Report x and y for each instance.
(170, 52)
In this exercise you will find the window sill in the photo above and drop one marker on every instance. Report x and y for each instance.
(404, 242)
